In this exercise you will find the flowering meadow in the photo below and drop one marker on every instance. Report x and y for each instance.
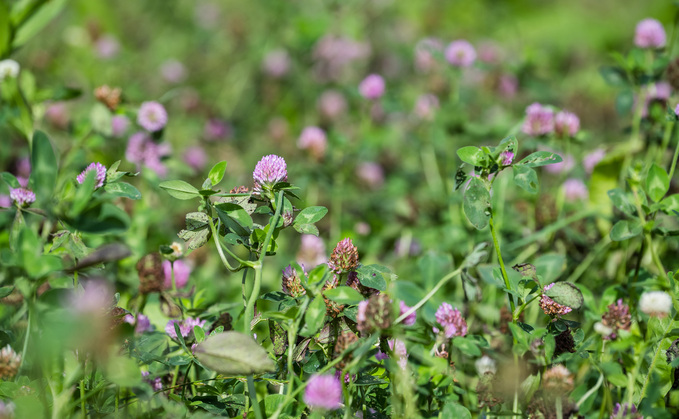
(339, 209)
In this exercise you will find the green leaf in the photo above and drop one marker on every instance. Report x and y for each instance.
(105, 218)
(566, 294)
(235, 218)
(122, 189)
(467, 346)
(100, 118)
(613, 76)
(217, 172)
(5, 29)
(472, 155)
(10, 180)
(626, 229)
(454, 410)
(234, 353)
(541, 158)
(526, 178)
(372, 276)
(657, 182)
(5, 291)
(621, 201)
(314, 317)
(344, 295)
(180, 189)
(310, 215)
(624, 101)
(306, 229)
(34, 24)
(671, 203)
(199, 333)
(43, 167)
(476, 203)
(83, 194)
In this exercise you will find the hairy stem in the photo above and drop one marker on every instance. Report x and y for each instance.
(502, 266)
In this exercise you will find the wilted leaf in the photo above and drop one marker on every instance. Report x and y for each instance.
(234, 353)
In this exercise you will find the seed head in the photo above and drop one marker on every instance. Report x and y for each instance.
(655, 304)
(9, 363)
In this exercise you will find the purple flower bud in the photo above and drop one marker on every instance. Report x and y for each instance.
(566, 124)
(314, 140)
(269, 170)
(372, 87)
(411, 318)
(22, 197)
(451, 320)
(460, 53)
(323, 392)
(100, 176)
(182, 270)
(539, 120)
(575, 190)
(119, 125)
(649, 33)
(152, 116)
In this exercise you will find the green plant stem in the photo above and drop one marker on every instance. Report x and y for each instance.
(292, 338)
(667, 134)
(591, 390)
(257, 266)
(431, 293)
(559, 407)
(26, 338)
(589, 259)
(253, 397)
(83, 411)
(221, 247)
(674, 160)
(502, 266)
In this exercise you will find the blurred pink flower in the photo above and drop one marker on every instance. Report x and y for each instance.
(143, 323)
(592, 159)
(119, 125)
(332, 104)
(410, 319)
(182, 270)
(323, 392)
(95, 298)
(372, 87)
(508, 85)
(152, 116)
(57, 114)
(311, 251)
(143, 151)
(575, 190)
(566, 124)
(334, 54)
(195, 157)
(107, 46)
(649, 33)
(460, 53)
(100, 176)
(276, 63)
(217, 129)
(451, 320)
(426, 107)
(539, 120)
(564, 167)
(314, 140)
(173, 71)
(425, 54)
(371, 174)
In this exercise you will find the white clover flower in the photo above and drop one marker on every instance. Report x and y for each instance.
(485, 364)
(655, 303)
(9, 68)
(602, 329)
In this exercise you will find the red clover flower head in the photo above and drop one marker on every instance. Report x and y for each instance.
(451, 320)
(269, 170)
(276, 63)
(590, 160)
(649, 33)
(100, 171)
(551, 307)
(143, 323)
(182, 270)
(425, 51)
(196, 158)
(22, 197)
(372, 87)
(460, 53)
(119, 125)
(311, 251)
(9, 363)
(558, 378)
(291, 282)
(411, 318)
(344, 257)
(426, 107)
(152, 116)
(332, 104)
(539, 120)
(616, 318)
(399, 349)
(566, 124)
(323, 392)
